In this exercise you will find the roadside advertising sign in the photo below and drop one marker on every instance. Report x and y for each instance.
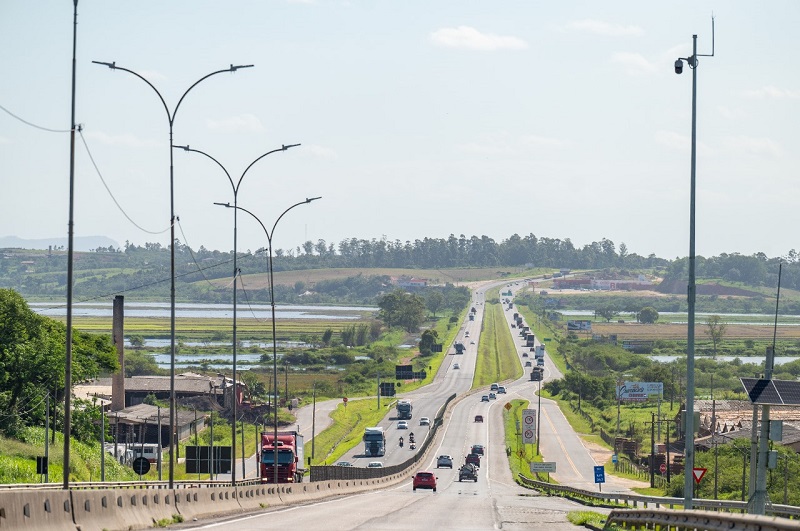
(638, 391)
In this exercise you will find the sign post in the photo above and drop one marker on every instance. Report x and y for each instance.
(600, 476)
(345, 401)
(529, 426)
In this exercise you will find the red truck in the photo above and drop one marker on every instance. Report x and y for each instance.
(290, 457)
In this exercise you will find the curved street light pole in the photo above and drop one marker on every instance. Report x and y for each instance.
(272, 306)
(235, 188)
(171, 119)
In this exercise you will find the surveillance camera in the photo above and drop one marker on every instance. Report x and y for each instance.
(679, 66)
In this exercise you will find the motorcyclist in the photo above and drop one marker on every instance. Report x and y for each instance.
(411, 437)
(401, 442)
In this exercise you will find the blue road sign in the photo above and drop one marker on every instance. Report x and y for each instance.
(614, 458)
(599, 474)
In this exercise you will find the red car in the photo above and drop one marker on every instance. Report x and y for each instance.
(424, 480)
(474, 459)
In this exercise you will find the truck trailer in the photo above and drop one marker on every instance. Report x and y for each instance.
(290, 457)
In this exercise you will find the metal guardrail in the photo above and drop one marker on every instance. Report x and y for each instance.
(730, 506)
(715, 521)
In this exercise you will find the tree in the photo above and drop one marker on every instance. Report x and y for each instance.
(327, 335)
(403, 309)
(715, 330)
(607, 313)
(428, 339)
(434, 301)
(648, 315)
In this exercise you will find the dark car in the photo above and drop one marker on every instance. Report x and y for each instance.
(468, 472)
(478, 418)
(477, 449)
(474, 459)
(424, 480)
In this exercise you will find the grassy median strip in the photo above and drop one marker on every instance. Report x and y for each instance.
(497, 355)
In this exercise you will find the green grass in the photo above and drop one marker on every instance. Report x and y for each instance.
(497, 355)
(587, 517)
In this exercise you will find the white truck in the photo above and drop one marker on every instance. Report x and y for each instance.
(374, 441)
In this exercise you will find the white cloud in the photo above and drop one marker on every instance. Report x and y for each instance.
(756, 146)
(472, 39)
(774, 93)
(634, 63)
(599, 27)
(319, 151)
(152, 75)
(505, 144)
(5, 140)
(673, 140)
(126, 140)
(244, 123)
(730, 114)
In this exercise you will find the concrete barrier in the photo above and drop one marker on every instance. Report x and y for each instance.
(253, 497)
(200, 502)
(36, 509)
(122, 508)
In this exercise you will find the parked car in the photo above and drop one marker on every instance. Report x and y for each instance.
(372, 464)
(478, 418)
(424, 421)
(501, 390)
(474, 459)
(402, 425)
(424, 480)
(468, 472)
(477, 449)
(485, 398)
(444, 461)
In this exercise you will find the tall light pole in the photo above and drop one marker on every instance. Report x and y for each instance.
(70, 270)
(171, 120)
(270, 234)
(235, 188)
(688, 485)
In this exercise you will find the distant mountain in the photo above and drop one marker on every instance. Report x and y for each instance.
(82, 243)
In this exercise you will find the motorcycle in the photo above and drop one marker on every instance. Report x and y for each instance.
(412, 446)
(401, 442)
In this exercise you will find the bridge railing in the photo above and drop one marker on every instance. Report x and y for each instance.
(667, 519)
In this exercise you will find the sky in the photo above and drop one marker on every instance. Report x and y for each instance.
(415, 118)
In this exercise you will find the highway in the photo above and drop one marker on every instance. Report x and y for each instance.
(493, 502)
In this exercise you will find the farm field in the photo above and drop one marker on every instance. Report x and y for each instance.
(678, 331)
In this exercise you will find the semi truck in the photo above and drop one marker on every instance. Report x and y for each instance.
(537, 374)
(459, 347)
(290, 457)
(529, 339)
(404, 409)
(374, 442)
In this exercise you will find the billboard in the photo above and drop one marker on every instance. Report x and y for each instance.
(580, 325)
(638, 391)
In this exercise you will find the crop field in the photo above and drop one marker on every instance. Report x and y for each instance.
(202, 328)
(678, 331)
(435, 276)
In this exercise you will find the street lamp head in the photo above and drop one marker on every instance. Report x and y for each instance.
(185, 148)
(226, 205)
(309, 199)
(237, 67)
(284, 147)
(679, 66)
(110, 65)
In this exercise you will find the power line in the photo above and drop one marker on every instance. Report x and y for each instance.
(33, 124)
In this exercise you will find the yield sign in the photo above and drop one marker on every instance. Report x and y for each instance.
(698, 474)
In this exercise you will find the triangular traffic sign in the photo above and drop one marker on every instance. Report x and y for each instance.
(698, 474)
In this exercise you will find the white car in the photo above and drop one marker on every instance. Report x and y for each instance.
(402, 425)
(375, 464)
(456, 366)
(424, 421)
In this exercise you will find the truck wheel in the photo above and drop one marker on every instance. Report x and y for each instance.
(434, 489)
(415, 489)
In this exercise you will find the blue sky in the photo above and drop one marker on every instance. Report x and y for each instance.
(417, 119)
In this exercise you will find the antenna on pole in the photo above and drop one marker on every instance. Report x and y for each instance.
(712, 40)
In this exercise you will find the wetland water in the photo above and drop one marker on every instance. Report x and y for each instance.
(216, 354)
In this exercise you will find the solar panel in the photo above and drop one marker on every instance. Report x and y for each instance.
(772, 392)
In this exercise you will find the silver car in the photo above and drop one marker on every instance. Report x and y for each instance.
(444, 461)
